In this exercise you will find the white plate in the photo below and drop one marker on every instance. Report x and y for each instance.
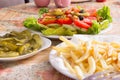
(57, 61)
(69, 37)
(45, 44)
(58, 64)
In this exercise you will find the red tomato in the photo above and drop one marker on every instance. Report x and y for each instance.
(92, 12)
(70, 16)
(46, 14)
(68, 11)
(47, 20)
(88, 21)
(66, 20)
(81, 24)
(92, 18)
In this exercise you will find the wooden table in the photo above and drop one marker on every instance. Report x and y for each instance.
(38, 66)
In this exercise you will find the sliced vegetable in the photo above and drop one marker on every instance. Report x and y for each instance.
(65, 20)
(52, 31)
(47, 20)
(69, 32)
(54, 25)
(92, 12)
(81, 24)
(18, 43)
(88, 21)
(72, 28)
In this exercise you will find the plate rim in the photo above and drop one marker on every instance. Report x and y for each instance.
(45, 44)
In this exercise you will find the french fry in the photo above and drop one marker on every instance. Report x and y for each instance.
(92, 65)
(73, 56)
(68, 65)
(67, 41)
(99, 68)
(115, 44)
(79, 72)
(83, 68)
(103, 63)
(96, 54)
(86, 55)
(89, 57)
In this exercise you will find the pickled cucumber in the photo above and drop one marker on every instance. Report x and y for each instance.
(19, 43)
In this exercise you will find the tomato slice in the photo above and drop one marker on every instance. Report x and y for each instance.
(67, 11)
(92, 12)
(92, 18)
(65, 20)
(81, 24)
(47, 20)
(88, 21)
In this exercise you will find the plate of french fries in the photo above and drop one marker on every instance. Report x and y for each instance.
(85, 55)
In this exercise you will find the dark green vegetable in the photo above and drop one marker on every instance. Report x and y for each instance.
(37, 40)
(9, 54)
(24, 48)
(8, 45)
(19, 43)
(42, 11)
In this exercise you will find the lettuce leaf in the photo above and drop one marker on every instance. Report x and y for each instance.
(52, 31)
(42, 11)
(69, 32)
(104, 13)
(95, 29)
(104, 24)
(54, 25)
(32, 23)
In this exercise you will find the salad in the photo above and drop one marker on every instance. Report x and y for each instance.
(69, 21)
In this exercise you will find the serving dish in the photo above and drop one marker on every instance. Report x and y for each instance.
(53, 23)
(44, 45)
(57, 61)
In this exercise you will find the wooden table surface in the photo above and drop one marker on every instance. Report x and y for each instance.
(38, 66)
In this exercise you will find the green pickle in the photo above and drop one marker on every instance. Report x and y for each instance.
(9, 54)
(38, 42)
(24, 48)
(19, 43)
